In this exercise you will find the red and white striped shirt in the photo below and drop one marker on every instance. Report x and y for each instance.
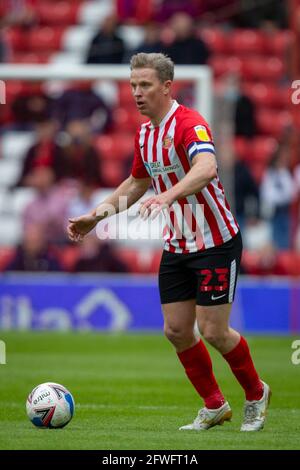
(165, 152)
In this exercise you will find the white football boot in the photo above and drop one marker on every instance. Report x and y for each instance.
(208, 418)
(255, 411)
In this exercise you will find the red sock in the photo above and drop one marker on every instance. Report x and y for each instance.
(243, 368)
(198, 368)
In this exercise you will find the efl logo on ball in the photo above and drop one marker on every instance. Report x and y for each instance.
(50, 405)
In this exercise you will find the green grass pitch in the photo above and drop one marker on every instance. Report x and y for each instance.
(131, 393)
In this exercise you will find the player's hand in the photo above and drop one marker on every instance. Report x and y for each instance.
(152, 206)
(78, 227)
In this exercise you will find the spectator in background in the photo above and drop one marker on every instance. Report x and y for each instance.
(50, 205)
(34, 253)
(186, 48)
(45, 152)
(246, 194)
(84, 200)
(18, 13)
(78, 102)
(167, 8)
(98, 256)
(106, 47)
(80, 160)
(152, 42)
(243, 107)
(30, 108)
(277, 194)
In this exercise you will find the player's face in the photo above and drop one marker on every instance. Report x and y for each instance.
(148, 91)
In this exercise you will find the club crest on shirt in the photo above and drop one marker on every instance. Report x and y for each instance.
(202, 133)
(167, 142)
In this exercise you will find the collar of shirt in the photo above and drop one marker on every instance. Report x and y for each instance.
(174, 106)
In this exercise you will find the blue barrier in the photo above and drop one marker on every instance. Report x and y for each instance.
(116, 303)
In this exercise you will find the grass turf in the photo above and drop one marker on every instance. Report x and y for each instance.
(131, 393)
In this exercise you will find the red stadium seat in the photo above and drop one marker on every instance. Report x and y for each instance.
(127, 120)
(271, 123)
(68, 256)
(45, 39)
(125, 94)
(246, 41)
(223, 64)
(140, 261)
(30, 58)
(112, 173)
(17, 39)
(57, 13)
(6, 254)
(216, 39)
(263, 148)
(117, 146)
(258, 149)
(279, 42)
(262, 68)
(267, 95)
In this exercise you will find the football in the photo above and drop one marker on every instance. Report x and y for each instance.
(50, 405)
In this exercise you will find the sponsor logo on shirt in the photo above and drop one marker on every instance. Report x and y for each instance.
(202, 133)
(155, 168)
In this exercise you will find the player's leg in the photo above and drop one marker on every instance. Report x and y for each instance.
(178, 291)
(213, 324)
(217, 271)
(179, 322)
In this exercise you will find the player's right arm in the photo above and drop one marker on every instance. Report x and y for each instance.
(132, 189)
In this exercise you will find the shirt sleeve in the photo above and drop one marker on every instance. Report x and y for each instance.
(138, 166)
(197, 138)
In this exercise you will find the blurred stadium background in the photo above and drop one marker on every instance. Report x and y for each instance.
(64, 144)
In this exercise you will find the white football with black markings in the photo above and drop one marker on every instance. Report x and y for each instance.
(50, 405)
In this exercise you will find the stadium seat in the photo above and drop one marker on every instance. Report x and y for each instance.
(6, 254)
(263, 68)
(267, 95)
(271, 123)
(57, 13)
(17, 40)
(117, 146)
(30, 57)
(127, 120)
(279, 42)
(112, 173)
(223, 64)
(263, 148)
(140, 261)
(68, 256)
(45, 39)
(216, 39)
(125, 95)
(246, 41)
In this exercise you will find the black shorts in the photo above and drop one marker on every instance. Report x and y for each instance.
(208, 276)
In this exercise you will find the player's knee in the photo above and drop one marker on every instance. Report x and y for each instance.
(215, 337)
(176, 335)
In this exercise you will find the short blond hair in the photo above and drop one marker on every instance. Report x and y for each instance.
(163, 65)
